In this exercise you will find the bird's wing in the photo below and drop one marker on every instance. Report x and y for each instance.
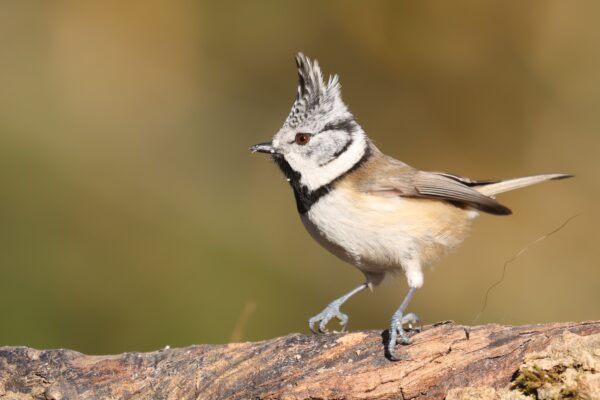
(391, 176)
(467, 181)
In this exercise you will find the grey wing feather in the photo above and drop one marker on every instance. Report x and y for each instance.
(467, 181)
(441, 186)
(392, 176)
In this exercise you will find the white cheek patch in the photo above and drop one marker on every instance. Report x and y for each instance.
(333, 145)
(314, 176)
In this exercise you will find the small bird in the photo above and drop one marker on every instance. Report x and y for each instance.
(369, 209)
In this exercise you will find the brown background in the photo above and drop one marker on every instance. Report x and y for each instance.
(133, 216)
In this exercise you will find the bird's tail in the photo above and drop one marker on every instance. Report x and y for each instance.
(493, 189)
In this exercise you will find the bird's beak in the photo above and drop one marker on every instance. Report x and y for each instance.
(266, 147)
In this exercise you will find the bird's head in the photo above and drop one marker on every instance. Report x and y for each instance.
(320, 140)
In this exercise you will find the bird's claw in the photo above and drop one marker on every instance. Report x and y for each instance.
(323, 318)
(398, 334)
(412, 321)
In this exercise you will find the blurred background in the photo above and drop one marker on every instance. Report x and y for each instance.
(133, 215)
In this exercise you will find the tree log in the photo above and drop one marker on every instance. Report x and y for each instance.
(442, 358)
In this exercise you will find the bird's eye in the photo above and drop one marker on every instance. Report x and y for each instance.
(302, 138)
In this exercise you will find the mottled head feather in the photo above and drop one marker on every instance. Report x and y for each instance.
(314, 97)
(337, 142)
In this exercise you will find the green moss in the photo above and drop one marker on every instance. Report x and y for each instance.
(530, 379)
(568, 394)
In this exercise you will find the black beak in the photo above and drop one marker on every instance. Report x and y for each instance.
(266, 147)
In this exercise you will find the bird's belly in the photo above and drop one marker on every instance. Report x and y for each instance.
(379, 233)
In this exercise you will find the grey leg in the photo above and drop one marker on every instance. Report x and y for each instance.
(398, 320)
(333, 310)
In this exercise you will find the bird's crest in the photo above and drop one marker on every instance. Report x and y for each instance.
(314, 96)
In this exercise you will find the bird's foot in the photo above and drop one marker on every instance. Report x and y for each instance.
(323, 318)
(399, 335)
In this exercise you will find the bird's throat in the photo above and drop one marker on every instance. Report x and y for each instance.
(306, 198)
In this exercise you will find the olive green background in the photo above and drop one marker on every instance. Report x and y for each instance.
(133, 216)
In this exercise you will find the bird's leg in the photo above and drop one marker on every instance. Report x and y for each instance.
(333, 311)
(397, 333)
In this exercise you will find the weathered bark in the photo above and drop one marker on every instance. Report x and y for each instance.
(332, 366)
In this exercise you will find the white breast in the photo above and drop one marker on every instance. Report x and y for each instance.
(382, 234)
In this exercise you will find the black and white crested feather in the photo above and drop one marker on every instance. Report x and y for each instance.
(311, 85)
(314, 97)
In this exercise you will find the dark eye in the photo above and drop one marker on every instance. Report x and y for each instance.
(302, 138)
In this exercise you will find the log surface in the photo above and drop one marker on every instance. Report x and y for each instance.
(333, 366)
